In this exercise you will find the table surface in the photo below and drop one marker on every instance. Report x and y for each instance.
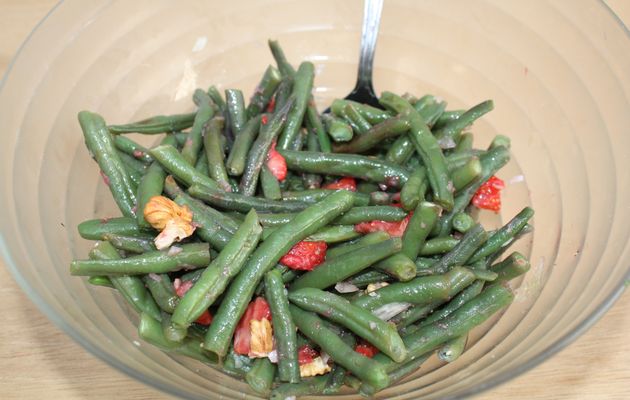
(39, 361)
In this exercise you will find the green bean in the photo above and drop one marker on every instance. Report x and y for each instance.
(312, 181)
(134, 168)
(466, 174)
(413, 190)
(446, 117)
(334, 234)
(302, 86)
(363, 367)
(423, 290)
(162, 290)
(337, 269)
(215, 95)
(491, 162)
(237, 364)
(157, 124)
(269, 184)
(210, 215)
(150, 330)
(460, 322)
(426, 262)
(338, 373)
(338, 129)
(215, 278)
(353, 117)
(453, 128)
(242, 143)
(173, 162)
(298, 142)
(513, 266)
(273, 220)
(97, 229)
(285, 68)
(462, 298)
(264, 91)
(414, 314)
(500, 140)
(439, 245)
(241, 203)
(403, 148)
(192, 146)
(363, 279)
(346, 165)
(335, 381)
(194, 254)
(458, 159)
(428, 148)
(380, 198)
(172, 332)
(130, 243)
(101, 146)
(484, 275)
(361, 322)
(399, 266)
(419, 227)
(397, 374)
(103, 281)
(260, 377)
(130, 287)
(283, 328)
(370, 213)
(315, 125)
(400, 151)
(504, 235)
(474, 238)
(180, 138)
(362, 243)
(265, 257)
(260, 148)
(235, 104)
(452, 349)
(128, 146)
(308, 386)
(214, 153)
(465, 143)
(463, 222)
(152, 184)
(283, 93)
(372, 114)
(389, 128)
(311, 196)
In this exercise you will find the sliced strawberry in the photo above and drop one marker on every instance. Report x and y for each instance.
(347, 183)
(395, 229)
(366, 349)
(305, 256)
(276, 163)
(256, 310)
(272, 105)
(306, 354)
(488, 196)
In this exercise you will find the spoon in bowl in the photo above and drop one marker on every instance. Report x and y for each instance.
(363, 91)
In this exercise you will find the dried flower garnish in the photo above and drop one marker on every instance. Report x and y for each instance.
(261, 342)
(174, 221)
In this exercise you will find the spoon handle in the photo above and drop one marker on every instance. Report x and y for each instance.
(369, 33)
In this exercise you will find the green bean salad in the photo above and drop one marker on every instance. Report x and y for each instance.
(302, 251)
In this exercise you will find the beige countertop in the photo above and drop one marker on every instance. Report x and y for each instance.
(38, 361)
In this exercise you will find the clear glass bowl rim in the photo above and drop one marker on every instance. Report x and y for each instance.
(547, 353)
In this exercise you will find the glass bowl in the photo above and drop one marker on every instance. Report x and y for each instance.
(559, 76)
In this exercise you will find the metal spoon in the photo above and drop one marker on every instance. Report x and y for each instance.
(363, 91)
